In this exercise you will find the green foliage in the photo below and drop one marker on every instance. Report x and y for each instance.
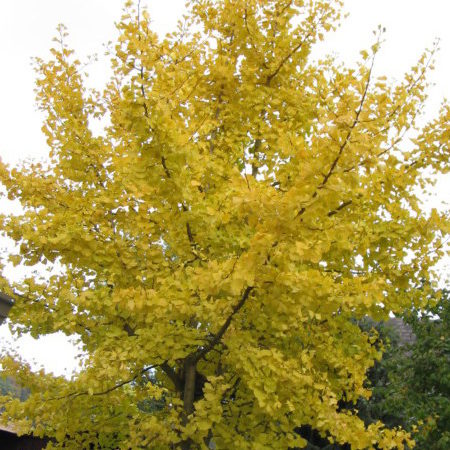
(9, 387)
(411, 384)
(421, 378)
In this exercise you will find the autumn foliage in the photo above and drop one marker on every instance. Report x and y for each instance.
(215, 243)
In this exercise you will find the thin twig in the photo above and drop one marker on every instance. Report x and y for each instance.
(107, 391)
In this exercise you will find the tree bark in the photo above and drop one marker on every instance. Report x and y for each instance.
(188, 396)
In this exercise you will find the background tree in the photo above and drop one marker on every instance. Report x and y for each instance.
(215, 243)
(411, 386)
(426, 392)
(9, 387)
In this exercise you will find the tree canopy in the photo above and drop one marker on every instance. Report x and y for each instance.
(215, 243)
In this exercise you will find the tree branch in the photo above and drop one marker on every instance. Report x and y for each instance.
(166, 170)
(216, 339)
(283, 61)
(346, 140)
(341, 206)
(170, 372)
(350, 131)
(107, 391)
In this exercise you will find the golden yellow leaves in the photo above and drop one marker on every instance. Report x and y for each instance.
(231, 166)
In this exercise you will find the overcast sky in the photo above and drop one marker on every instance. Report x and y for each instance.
(27, 27)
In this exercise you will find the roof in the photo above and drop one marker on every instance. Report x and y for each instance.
(6, 428)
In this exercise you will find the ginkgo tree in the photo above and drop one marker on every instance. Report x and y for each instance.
(215, 243)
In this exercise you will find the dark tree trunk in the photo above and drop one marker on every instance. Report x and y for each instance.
(190, 370)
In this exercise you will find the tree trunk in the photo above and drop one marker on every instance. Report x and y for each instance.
(188, 397)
